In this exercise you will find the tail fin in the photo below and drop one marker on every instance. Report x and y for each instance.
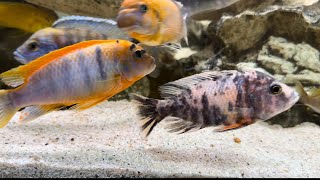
(7, 110)
(303, 94)
(148, 112)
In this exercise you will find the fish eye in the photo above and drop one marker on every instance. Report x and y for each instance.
(275, 89)
(33, 46)
(139, 53)
(143, 8)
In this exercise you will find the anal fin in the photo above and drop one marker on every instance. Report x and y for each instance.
(88, 104)
(113, 85)
(181, 126)
(236, 125)
(33, 112)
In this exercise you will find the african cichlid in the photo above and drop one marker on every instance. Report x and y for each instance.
(25, 16)
(79, 75)
(67, 31)
(229, 99)
(50, 39)
(153, 22)
(312, 99)
(99, 25)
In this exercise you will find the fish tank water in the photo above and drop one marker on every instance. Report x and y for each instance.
(85, 87)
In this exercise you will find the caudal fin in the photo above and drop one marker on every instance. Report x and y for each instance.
(302, 93)
(7, 110)
(148, 112)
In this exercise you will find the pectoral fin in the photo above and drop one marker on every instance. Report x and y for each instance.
(33, 112)
(113, 85)
(88, 104)
(236, 125)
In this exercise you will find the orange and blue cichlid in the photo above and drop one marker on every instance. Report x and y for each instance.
(153, 22)
(81, 75)
(229, 99)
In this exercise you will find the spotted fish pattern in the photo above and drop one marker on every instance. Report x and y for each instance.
(229, 99)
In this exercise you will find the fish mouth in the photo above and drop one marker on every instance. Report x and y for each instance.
(128, 21)
(19, 57)
(296, 98)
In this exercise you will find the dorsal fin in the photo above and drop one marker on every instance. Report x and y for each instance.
(18, 76)
(179, 4)
(104, 26)
(176, 87)
(33, 112)
(71, 21)
(180, 126)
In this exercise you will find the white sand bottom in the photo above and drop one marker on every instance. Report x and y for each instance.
(105, 141)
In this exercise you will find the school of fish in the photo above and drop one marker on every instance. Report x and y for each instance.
(78, 62)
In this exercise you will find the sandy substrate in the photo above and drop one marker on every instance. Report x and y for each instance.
(105, 141)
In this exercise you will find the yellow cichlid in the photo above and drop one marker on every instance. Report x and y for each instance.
(312, 99)
(153, 22)
(25, 16)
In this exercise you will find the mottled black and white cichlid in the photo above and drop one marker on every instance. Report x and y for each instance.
(229, 99)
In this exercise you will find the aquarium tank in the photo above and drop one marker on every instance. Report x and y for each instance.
(159, 88)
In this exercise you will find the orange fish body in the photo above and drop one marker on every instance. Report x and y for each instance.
(152, 22)
(81, 75)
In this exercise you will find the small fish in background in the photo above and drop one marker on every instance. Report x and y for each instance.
(312, 99)
(50, 39)
(153, 22)
(229, 99)
(26, 17)
(81, 75)
(67, 31)
(99, 25)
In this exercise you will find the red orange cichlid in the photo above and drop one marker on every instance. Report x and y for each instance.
(81, 75)
(153, 22)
